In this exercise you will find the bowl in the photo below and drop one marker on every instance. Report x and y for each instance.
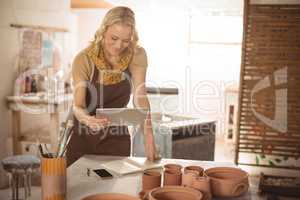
(174, 193)
(110, 196)
(228, 181)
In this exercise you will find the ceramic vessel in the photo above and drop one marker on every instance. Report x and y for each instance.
(203, 185)
(172, 177)
(110, 196)
(173, 167)
(144, 194)
(151, 179)
(227, 181)
(174, 193)
(188, 179)
(194, 169)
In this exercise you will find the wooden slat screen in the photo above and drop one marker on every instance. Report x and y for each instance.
(269, 102)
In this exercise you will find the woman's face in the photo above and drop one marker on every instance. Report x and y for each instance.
(117, 38)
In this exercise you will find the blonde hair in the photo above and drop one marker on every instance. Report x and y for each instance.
(117, 15)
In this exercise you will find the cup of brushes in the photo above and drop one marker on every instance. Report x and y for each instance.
(54, 166)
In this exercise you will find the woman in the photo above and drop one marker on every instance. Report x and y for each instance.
(104, 75)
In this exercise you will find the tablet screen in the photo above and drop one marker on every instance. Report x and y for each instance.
(123, 116)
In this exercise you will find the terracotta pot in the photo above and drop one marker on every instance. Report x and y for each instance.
(144, 194)
(173, 167)
(188, 179)
(151, 179)
(228, 181)
(172, 177)
(110, 196)
(174, 193)
(194, 169)
(203, 185)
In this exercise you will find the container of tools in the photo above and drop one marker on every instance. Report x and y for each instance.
(54, 178)
(54, 166)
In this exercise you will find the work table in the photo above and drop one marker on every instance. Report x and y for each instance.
(79, 184)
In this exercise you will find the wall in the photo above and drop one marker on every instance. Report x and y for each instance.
(88, 22)
(54, 13)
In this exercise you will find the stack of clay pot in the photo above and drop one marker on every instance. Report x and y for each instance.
(218, 181)
(193, 177)
(172, 174)
(173, 187)
(151, 179)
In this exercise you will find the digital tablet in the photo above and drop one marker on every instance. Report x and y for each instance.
(123, 116)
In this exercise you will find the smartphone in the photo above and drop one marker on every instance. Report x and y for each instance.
(103, 173)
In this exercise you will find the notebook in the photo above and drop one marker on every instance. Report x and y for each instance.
(131, 165)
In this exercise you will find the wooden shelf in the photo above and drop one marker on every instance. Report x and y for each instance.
(42, 28)
(91, 4)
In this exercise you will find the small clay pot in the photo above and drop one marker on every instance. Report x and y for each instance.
(110, 196)
(228, 181)
(173, 167)
(172, 177)
(174, 193)
(188, 179)
(151, 179)
(203, 185)
(194, 169)
(144, 194)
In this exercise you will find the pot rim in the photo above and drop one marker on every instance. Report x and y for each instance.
(188, 190)
(172, 171)
(226, 170)
(194, 168)
(173, 166)
(151, 173)
(113, 195)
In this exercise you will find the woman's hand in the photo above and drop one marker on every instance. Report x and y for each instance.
(150, 148)
(96, 124)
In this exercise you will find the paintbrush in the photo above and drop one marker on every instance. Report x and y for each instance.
(40, 148)
(61, 136)
(48, 154)
(66, 144)
(61, 131)
(65, 138)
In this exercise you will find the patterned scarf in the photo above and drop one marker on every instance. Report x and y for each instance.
(109, 76)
